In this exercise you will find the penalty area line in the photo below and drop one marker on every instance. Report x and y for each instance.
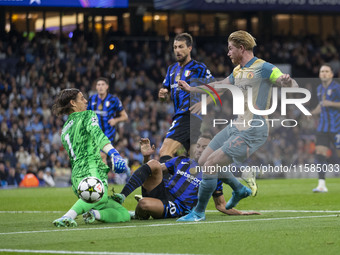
(83, 252)
(170, 224)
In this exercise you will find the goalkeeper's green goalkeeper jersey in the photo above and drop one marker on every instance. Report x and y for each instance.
(83, 139)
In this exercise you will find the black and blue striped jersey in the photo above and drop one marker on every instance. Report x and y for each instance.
(329, 116)
(185, 181)
(195, 74)
(106, 109)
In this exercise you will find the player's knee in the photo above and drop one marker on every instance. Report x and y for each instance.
(154, 165)
(144, 205)
(201, 161)
(209, 166)
(209, 162)
(140, 213)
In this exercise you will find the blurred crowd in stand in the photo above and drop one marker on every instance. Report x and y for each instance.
(33, 72)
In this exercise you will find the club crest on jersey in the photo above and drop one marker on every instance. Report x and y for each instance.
(187, 73)
(193, 171)
(329, 92)
(107, 103)
(94, 121)
(178, 77)
(250, 75)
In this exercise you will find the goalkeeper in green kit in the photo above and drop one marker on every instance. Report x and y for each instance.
(83, 139)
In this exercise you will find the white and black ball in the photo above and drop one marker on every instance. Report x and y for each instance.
(91, 189)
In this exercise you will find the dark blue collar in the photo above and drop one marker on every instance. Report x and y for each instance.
(250, 62)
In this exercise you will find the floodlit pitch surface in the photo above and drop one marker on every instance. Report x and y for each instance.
(293, 221)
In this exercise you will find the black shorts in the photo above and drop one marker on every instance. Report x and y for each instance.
(327, 139)
(185, 129)
(172, 207)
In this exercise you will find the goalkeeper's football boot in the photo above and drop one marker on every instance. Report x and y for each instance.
(250, 179)
(119, 198)
(89, 217)
(237, 196)
(193, 216)
(65, 222)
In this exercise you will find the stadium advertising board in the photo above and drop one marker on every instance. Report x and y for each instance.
(68, 3)
(250, 5)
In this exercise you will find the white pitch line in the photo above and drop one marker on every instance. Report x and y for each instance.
(298, 211)
(169, 224)
(31, 212)
(85, 252)
(208, 211)
(285, 211)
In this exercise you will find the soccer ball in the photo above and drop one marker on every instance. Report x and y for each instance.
(91, 189)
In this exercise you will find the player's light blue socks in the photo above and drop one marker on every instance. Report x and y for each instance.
(205, 190)
(229, 178)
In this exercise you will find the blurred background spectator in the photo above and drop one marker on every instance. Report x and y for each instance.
(38, 69)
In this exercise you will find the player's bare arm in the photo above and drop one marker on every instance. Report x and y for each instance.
(220, 204)
(147, 150)
(196, 108)
(286, 81)
(317, 110)
(163, 94)
(121, 118)
(186, 87)
(328, 103)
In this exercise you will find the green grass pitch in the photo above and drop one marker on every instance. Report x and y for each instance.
(293, 221)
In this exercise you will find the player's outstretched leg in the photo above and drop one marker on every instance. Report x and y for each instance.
(119, 198)
(237, 196)
(110, 212)
(193, 216)
(89, 217)
(205, 190)
(65, 222)
(136, 180)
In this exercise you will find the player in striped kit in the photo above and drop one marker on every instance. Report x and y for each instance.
(177, 196)
(328, 130)
(109, 110)
(82, 138)
(185, 127)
